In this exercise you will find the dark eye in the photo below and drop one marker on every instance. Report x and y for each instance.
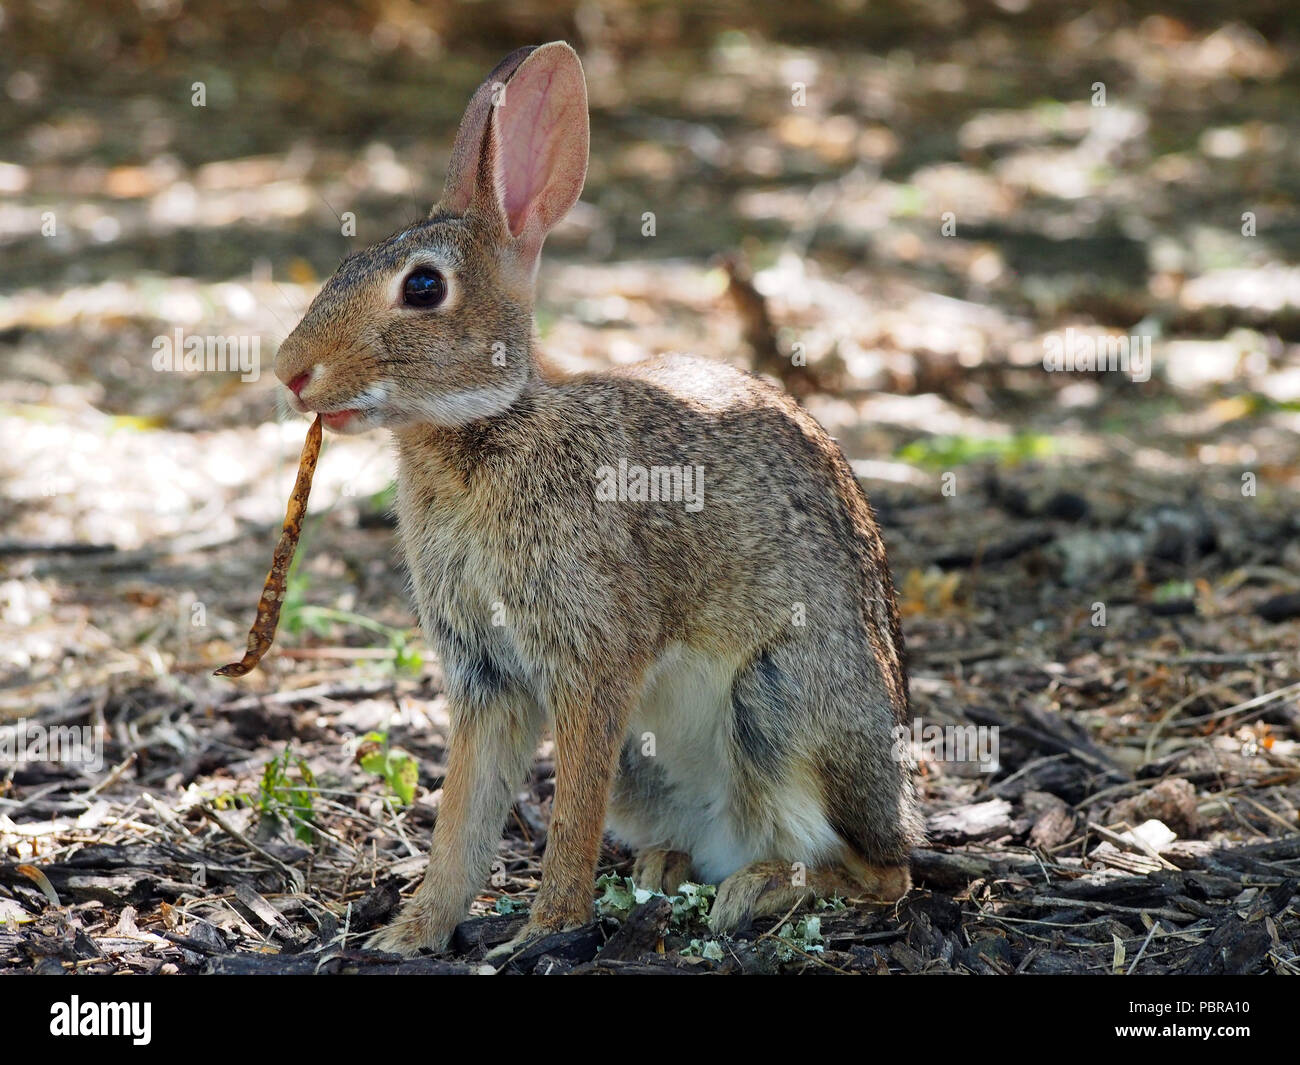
(424, 287)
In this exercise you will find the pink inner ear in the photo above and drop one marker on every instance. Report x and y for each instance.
(462, 172)
(536, 126)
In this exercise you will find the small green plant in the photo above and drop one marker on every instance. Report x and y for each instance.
(619, 896)
(1175, 591)
(507, 906)
(281, 798)
(397, 767)
(803, 935)
(297, 615)
(944, 452)
(1258, 403)
(698, 948)
(406, 659)
(692, 902)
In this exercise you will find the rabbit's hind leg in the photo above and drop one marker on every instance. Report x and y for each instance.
(822, 803)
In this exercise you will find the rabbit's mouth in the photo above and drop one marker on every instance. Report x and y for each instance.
(338, 419)
(342, 420)
(350, 420)
(367, 411)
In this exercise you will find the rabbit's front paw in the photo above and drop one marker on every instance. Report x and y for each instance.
(410, 932)
(526, 937)
(549, 914)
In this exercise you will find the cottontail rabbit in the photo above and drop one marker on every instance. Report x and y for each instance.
(671, 563)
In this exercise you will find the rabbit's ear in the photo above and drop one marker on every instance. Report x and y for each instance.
(533, 160)
(463, 169)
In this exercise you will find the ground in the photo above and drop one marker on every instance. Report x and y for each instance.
(1103, 566)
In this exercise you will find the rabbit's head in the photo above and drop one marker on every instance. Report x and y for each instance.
(433, 325)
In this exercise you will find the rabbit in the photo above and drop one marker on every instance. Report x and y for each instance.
(669, 563)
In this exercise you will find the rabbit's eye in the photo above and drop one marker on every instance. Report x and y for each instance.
(424, 287)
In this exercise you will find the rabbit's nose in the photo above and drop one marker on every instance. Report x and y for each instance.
(298, 383)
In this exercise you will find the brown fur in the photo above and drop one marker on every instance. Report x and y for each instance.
(765, 889)
(547, 603)
(662, 870)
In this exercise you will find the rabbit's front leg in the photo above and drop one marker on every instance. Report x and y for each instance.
(588, 727)
(492, 745)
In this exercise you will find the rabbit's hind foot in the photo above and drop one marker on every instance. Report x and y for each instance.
(762, 889)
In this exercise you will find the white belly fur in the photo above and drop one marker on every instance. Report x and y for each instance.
(686, 706)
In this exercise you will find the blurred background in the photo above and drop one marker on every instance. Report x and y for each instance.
(914, 197)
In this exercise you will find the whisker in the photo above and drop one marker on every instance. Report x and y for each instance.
(287, 301)
(272, 313)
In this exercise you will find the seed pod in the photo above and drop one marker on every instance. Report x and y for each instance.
(268, 607)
